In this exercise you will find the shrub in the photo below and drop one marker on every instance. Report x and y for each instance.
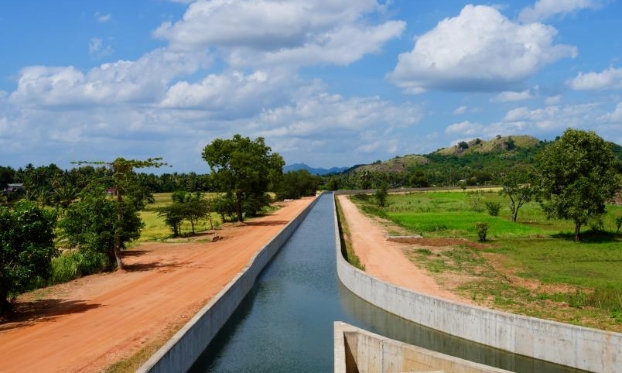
(381, 195)
(482, 230)
(74, 264)
(618, 224)
(226, 207)
(474, 198)
(493, 208)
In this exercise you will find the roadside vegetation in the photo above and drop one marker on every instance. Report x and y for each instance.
(346, 242)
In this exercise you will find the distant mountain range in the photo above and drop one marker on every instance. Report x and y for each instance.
(314, 171)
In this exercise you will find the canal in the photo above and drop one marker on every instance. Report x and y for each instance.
(285, 324)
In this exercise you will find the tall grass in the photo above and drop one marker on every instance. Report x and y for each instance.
(346, 243)
(73, 264)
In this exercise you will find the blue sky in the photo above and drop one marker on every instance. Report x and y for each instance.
(325, 82)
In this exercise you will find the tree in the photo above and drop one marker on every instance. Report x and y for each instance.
(576, 176)
(26, 249)
(381, 195)
(99, 225)
(125, 181)
(185, 206)
(516, 184)
(296, 184)
(243, 167)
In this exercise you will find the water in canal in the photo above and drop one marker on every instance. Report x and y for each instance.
(285, 324)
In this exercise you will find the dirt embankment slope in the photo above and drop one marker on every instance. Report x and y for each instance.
(386, 259)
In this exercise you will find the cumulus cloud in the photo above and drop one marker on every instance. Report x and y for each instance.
(296, 32)
(610, 78)
(465, 128)
(479, 50)
(97, 48)
(460, 110)
(323, 114)
(545, 9)
(232, 94)
(123, 81)
(553, 116)
(512, 96)
(615, 116)
(552, 100)
(102, 18)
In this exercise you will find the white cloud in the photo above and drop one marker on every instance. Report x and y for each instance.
(465, 128)
(97, 48)
(545, 9)
(460, 110)
(610, 78)
(102, 18)
(232, 94)
(326, 114)
(479, 50)
(512, 96)
(295, 32)
(143, 80)
(552, 100)
(554, 116)
(615, 116)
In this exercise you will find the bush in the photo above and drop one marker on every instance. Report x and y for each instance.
(381, 195)
(482, 230)
(493, 208)
(226, 207)
(618, 224)
(474, 198)
(75, 264)
(26, 250)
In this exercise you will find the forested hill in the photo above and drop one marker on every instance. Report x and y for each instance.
(475, 154)
(477, 162)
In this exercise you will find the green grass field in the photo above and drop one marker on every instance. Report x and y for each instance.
(586, 275)
(156, 230)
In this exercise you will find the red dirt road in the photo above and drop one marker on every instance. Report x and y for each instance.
(386, 259)
(88, 324)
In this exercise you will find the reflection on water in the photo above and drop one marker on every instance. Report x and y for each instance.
(285, 324)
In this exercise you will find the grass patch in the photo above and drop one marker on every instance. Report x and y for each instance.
(346, 243)
(156, 230)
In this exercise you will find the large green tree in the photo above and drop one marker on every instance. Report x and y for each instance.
(125, 183)
(26, 249)
(98, 225)
(576, 176)
(243, 166)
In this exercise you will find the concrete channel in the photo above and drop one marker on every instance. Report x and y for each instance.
(278, 315)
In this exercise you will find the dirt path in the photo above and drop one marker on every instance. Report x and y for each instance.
(85, 325)
(386, 259)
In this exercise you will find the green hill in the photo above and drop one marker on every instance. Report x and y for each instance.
(498, 144)
(396, 164)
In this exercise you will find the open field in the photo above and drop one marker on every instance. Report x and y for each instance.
(531, 267)
(156, 230)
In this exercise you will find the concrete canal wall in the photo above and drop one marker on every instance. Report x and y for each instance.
(357, 350)
(183, 349)
(574, 346)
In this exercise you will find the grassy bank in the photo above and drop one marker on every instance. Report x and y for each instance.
(532, 267)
